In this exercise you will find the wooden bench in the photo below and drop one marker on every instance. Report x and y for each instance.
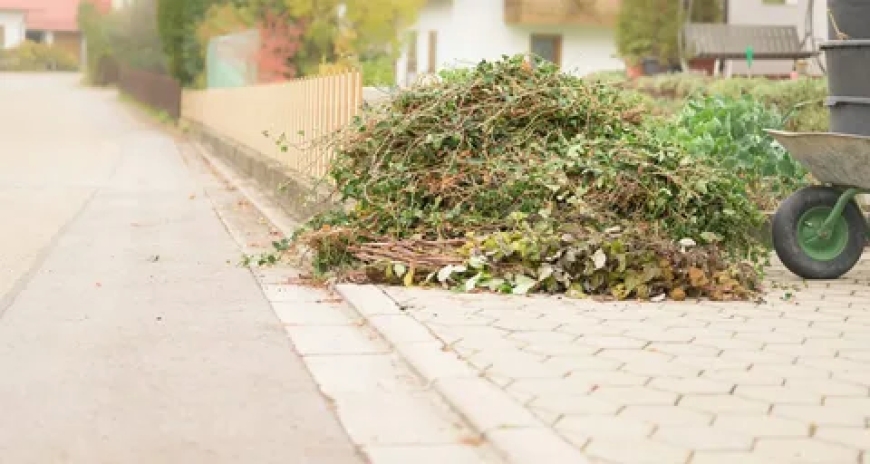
(725, 42)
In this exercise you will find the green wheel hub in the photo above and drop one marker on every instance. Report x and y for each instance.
(822, 247)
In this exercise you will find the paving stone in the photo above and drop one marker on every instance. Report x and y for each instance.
(434, 361)
(605, 426)
(812, 333)
(861, 405)
(757, 357)
(534, 445)
(761, 426)
(838, 343)
(629, 326)
(677, 323)
(547, 418)
(742, 377)
(635, 356)
(728, 343)
(456, 319)
(427, 454)
(855, 437)
(634, 395)
(636, 451)
(688, 386)
(292, 313)
(667, 415)
(563, 318)
(723, 404)
(400, 328)
(314, 340)
(612, 378)
(339, 374)
(525, 324)
(399, 421)
(604, 341)
(791, 371)
(292, 294)
(827, 387)
(805, 450)
(581, 363)
(820, 415)
(523, 367)
(542, 337)
(719, 457)
(862, 356)
(520, 397)
(574, 404)
(704, 333)
(778, 395)
(859, 377)
(590, 330)
(658, 335)
(560, 349)
(833, 364)
(661, 369)
(771, 338)
(707, 362)
(703, 438)
(679, 349)
(552, 386)
(484, 405)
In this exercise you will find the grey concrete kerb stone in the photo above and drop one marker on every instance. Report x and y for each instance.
(511, 429)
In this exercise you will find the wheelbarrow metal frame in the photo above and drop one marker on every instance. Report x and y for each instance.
(839, 161)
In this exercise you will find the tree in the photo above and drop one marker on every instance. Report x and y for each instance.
(349, 30)
(135, 36)
(177, 22)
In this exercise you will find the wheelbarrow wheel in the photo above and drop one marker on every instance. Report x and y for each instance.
(797, 241)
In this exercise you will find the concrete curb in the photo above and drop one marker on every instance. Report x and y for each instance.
(512, 430)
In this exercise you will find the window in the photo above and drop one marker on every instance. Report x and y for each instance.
(433, 51)
(548, 47)
(35, 36)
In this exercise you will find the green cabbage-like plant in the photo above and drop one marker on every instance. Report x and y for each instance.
(730, 132)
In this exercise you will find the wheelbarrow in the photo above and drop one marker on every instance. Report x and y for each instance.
(819, 232)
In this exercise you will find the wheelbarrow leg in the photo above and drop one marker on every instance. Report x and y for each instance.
(844, 200)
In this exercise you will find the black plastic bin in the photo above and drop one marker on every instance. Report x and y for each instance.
(849, 115)
(852, 17)
(848, 65)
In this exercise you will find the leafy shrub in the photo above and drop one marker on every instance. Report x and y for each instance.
(800, 99)
(513, 178)
(378, 71)
(729, 131)
(32, 56)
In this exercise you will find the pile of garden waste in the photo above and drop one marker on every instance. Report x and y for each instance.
(516, 179)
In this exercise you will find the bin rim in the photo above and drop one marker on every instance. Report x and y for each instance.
(836, 44)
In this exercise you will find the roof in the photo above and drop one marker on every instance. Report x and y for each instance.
(51, 15)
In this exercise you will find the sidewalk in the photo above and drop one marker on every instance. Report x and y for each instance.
(782, 382)
(130, 334)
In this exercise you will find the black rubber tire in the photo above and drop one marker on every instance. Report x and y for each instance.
(785, 236)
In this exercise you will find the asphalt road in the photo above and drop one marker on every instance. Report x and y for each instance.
(125, 336)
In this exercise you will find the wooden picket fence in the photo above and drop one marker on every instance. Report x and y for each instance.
(287, 121)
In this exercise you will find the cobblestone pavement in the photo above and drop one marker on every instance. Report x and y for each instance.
(785, 381)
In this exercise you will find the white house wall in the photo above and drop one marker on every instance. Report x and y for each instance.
(473, 30)
(793, 13)
(13, 25)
